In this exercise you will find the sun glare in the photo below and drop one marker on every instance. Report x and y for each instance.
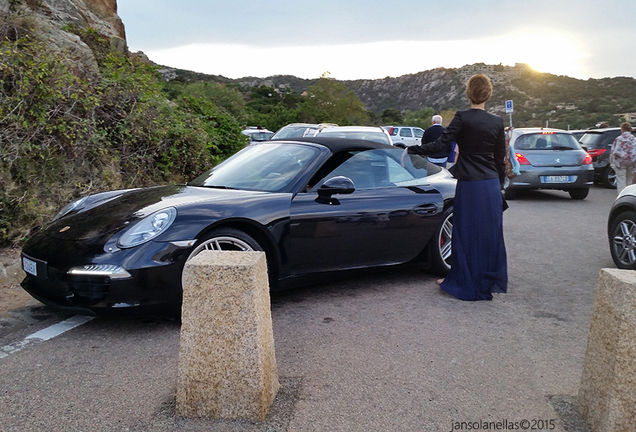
(546, 51)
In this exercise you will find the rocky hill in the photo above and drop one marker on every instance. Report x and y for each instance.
(53, 20)
(539, 98)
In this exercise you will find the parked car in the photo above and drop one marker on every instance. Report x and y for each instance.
(599, 145)
(550, 159)
(406, 136)
(368, 133)
(257, 134)
(621, 229)
(316, 206)
(578, 133)
(299, 130)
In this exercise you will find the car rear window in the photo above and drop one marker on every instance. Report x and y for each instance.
(599, 139)
(546, 141)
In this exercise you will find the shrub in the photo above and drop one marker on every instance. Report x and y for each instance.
(62, 136)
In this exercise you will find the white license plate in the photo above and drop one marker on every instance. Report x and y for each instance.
(556, 179)
(30, 266)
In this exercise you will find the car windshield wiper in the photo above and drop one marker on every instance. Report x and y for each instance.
(562, 148)
(220, 187)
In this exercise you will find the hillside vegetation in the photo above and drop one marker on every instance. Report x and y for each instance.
(63, 136)
(565, 102)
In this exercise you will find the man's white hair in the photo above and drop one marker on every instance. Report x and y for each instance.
(437, 119)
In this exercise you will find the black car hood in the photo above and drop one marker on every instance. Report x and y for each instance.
(110, 217)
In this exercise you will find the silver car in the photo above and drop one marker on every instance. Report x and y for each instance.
(550, 159)
(367, 133)
(299, 130)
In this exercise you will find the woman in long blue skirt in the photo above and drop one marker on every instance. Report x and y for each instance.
(478, 252)
(478, 259)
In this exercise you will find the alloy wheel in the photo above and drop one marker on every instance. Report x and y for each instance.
(445, 239)
(625, 242)
(611, 177)
(222, 243)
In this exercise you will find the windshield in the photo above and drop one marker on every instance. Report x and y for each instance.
(267, 167)
(546, 141)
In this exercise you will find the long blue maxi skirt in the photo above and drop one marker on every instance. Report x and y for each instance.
(478, 260)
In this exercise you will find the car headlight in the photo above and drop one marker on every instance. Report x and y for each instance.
(109, 270)
(148, 228)
(75, 205)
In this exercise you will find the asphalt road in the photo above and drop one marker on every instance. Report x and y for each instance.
(385, 352)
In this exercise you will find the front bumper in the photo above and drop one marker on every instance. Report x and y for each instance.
(154, 285)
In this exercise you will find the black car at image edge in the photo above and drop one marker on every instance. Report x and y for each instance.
(315, 206)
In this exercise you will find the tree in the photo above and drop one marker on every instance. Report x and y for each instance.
(226, 98)
(329, 101)
(420, 118)
(392, 116)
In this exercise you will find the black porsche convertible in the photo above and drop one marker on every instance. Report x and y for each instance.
(315, 206)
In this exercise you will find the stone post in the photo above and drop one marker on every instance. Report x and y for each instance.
(227, 365)
(607, 396)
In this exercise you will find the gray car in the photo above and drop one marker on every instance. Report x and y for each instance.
(550, 159)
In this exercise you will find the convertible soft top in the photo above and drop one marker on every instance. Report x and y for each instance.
(337, 145)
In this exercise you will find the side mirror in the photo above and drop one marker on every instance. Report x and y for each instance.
(336, 185)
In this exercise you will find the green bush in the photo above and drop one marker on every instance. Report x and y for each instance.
(62, 136)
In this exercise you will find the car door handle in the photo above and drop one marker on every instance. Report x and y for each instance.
(425, 209)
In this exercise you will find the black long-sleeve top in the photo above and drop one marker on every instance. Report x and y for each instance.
(480, 138)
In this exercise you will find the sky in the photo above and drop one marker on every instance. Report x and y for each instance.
(371, 39)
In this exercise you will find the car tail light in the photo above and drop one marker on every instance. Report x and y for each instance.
(521, 159)
(587, 160)
(596, 152)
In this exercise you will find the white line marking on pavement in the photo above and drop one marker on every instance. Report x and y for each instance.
(45, 334)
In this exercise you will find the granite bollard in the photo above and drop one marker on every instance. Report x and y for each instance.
(607, 395)
(227, 364)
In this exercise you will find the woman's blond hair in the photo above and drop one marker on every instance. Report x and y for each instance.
(626, 127)
(478, 89)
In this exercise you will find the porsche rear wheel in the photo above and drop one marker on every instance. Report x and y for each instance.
(440, 245)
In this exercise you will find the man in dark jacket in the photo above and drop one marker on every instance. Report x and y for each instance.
(430, 135)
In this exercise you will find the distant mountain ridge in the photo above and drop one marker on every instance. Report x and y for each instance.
(538, 97)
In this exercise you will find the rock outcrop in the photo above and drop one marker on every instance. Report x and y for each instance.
(52, 20)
